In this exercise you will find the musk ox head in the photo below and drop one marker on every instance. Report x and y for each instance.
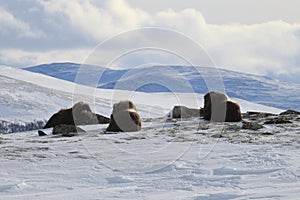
(124, 118)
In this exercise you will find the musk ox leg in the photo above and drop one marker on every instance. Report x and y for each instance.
(113, 127)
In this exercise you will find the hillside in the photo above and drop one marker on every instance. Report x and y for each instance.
(183, 79)
(27, 97)
(168, 159)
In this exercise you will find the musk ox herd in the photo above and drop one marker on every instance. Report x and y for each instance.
(125, 118)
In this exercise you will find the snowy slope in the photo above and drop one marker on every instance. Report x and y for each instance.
(27, 97)
(23, 100)
(258, 89)
(166, 160)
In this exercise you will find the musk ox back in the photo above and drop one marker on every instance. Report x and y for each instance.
(83, 114)
(64, 116)
(124, 118)
(218, 108)
(79, 114)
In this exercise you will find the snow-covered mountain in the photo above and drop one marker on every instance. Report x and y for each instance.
(258, 89)
(27, 97)
(168, 159)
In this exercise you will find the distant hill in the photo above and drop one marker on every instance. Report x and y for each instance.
(258, 89)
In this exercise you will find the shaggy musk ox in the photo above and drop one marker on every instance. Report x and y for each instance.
(124, 118)
(79, 114)
(218, 108)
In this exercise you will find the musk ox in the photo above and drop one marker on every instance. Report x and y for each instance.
(218, 108)
(124, 118)
(79, 114)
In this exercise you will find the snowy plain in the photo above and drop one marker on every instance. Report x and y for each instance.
(166, 160)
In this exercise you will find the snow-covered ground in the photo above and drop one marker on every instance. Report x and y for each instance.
(170, 162)
(166, 160)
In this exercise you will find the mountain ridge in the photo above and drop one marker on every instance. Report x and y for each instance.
(259, 89)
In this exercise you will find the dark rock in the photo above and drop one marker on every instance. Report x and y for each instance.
(66, 130)
(41, 133)
(252, 126)
(267, 133)
(71, 134)
(217, 135)
(245, 115)
(102, 119)
(185, 112)
(290, 112)
(258, 115)
(277, 121)
(233, 127)
(253, 113)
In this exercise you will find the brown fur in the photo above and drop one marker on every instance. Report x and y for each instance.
(79, 114)
(218, 108)
(124, 118)
(123, 105)
(64, 116)
(233, 112)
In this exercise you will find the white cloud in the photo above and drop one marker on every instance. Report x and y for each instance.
(96, 22)
(258, 48)
(21, 58)
(11, 25)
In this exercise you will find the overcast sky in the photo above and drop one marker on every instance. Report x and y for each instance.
(254, 36)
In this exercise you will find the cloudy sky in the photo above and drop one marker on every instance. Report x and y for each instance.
(254, 36)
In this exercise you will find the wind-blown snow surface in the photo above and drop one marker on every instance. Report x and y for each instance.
(166, 160)
(258, 89)
(170, 162)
